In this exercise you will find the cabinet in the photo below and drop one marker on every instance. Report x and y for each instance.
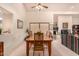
(1, 48)
(71, 40)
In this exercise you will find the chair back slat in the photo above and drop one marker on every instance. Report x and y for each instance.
(38, 41)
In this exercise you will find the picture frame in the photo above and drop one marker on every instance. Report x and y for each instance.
(19, 24)
(65, 25)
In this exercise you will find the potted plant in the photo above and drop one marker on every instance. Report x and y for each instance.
(0, 31)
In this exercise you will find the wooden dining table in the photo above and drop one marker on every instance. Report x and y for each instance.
(46, 41)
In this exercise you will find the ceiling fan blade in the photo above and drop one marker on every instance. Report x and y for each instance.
(45, 6)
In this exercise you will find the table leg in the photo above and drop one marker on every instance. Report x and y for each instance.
(49, 48)
(27, 51)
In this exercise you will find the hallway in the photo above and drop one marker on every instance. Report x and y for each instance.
(57, 50)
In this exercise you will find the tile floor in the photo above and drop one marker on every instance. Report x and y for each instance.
(57, 50)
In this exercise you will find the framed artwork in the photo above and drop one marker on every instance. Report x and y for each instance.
(19, 24)
(65, 25)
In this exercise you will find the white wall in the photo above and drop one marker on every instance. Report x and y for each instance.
(75, 20)
(39, 16)
(63, 19)
(17, 35)
(48, 16)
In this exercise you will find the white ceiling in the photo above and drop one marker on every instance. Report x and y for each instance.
(4, 13)
(74, 7)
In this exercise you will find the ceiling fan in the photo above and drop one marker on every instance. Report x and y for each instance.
(39, 6)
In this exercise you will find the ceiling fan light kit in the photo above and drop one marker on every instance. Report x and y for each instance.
(39, 7)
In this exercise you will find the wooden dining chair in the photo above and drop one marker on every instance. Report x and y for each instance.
(38, 42)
